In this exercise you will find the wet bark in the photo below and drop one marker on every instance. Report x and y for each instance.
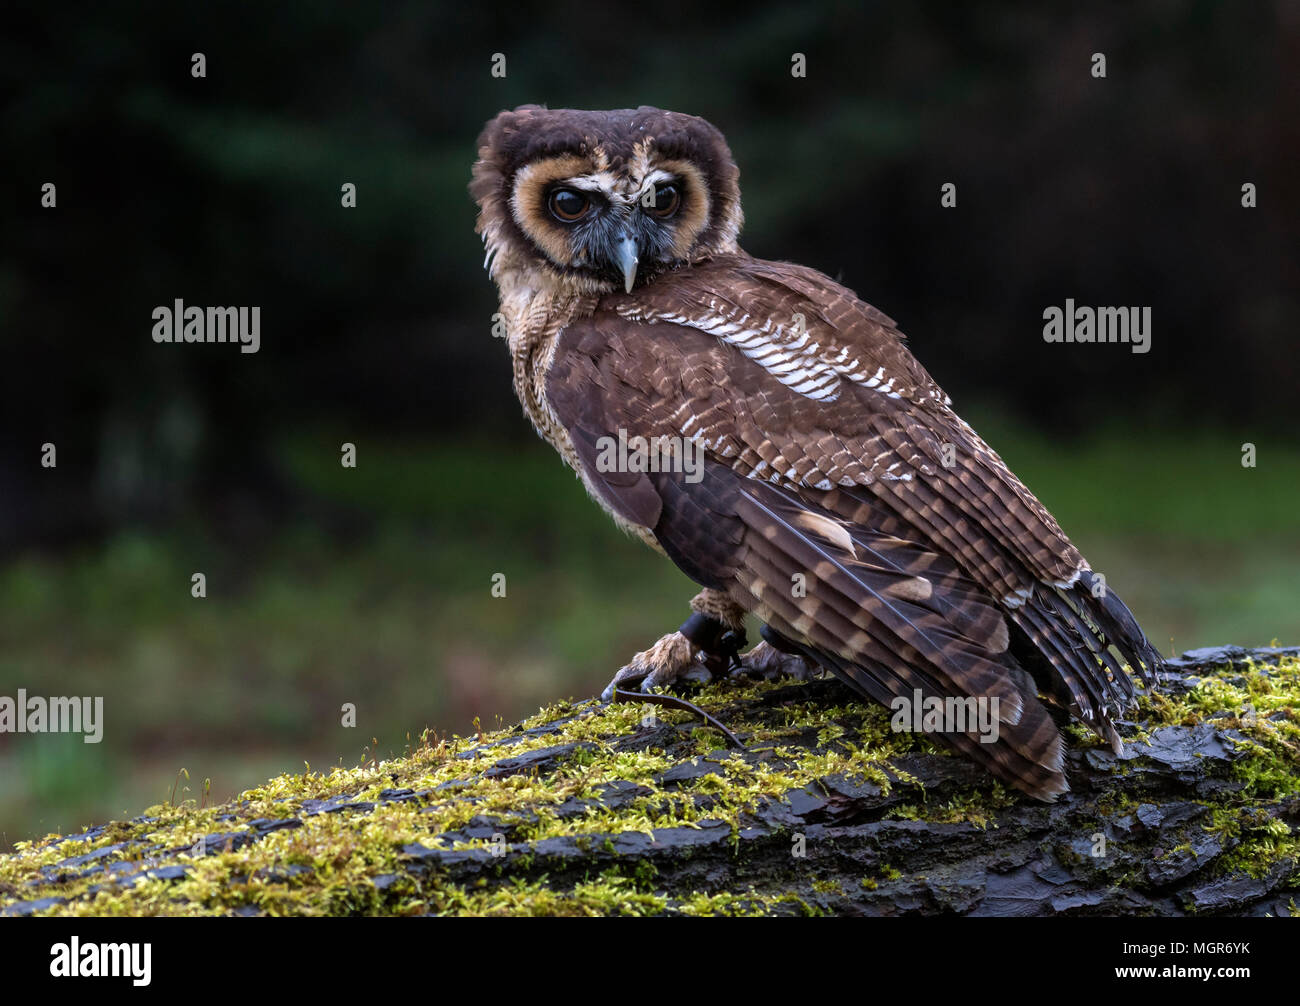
(1139, 834)
(1173, 826)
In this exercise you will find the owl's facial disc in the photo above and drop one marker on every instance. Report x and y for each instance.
(612, 227)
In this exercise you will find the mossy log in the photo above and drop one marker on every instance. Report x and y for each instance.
(592, 808)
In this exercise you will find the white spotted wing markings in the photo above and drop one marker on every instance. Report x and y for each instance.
(794, 358)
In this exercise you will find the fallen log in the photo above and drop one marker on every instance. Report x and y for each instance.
(592, 808)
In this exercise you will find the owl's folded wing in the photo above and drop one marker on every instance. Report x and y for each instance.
(821, 431)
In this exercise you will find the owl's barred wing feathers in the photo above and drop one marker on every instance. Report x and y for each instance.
(834, 461)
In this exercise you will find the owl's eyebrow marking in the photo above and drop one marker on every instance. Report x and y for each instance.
(657, 177)
(589, 183)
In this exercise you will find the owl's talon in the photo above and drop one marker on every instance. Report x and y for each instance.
(767, 662)
(668, 661)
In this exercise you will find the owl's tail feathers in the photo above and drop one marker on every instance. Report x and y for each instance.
(1028, 755)
(1119, 627)
(1073, 639)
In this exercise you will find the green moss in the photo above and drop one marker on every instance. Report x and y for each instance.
(1261, 703)
(355, 863)
(343, 853)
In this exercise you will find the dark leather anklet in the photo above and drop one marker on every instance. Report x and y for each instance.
(720, 645)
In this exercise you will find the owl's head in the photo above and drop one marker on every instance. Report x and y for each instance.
(603, 201)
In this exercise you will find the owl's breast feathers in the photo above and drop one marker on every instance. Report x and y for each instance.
(840, 498)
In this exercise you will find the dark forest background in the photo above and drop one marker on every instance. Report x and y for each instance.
(371, 585)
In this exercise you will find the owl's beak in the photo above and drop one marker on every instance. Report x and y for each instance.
(626, 257)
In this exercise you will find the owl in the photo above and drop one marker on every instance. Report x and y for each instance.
(772, 435)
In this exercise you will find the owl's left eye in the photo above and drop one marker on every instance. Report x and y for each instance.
(667, 198)
(569, 205)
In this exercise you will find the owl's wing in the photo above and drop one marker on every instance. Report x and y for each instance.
(833, 464)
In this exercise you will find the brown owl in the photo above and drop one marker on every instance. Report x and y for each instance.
(772, 435)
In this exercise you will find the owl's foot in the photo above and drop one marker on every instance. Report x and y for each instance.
(668, 661)
(702, 648)
(767, 662)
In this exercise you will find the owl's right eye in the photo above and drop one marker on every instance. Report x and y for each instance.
(568, 205)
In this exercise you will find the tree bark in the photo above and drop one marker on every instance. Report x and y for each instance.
(1199, 815)
(1150, 832)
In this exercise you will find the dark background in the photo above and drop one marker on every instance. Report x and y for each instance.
(372, 585)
